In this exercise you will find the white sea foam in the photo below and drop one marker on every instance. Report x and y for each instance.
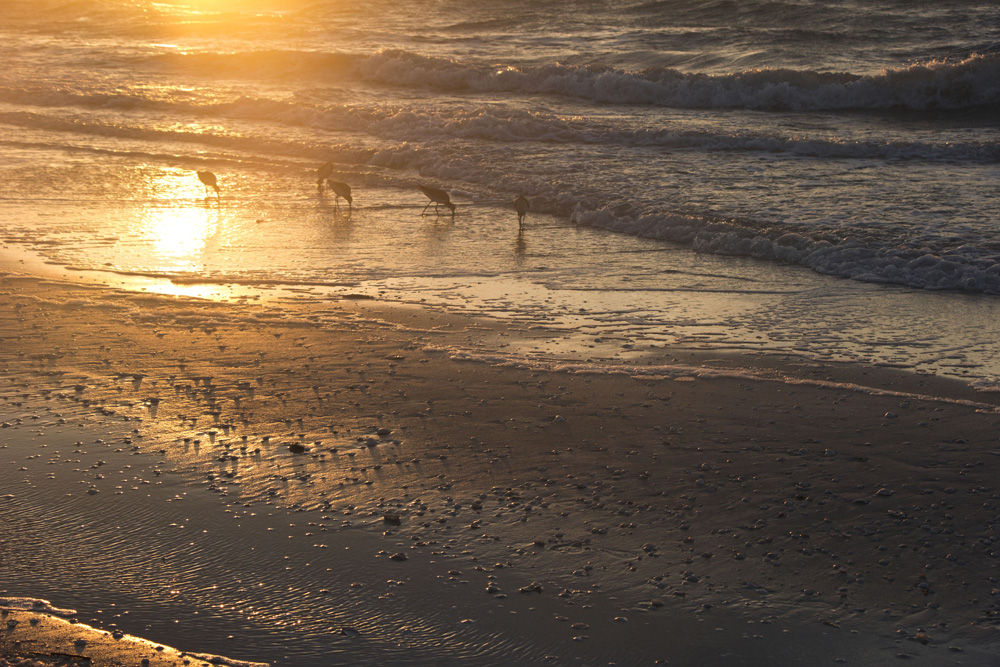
(225, 662)
(35, 604)
(870, 260)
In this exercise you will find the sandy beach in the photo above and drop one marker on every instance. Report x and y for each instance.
(228, 479)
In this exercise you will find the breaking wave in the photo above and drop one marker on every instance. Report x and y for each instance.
(971, 83)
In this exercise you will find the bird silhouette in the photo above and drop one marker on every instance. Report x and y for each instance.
(436, 196)
(521, 206)
(209, 180)
(341, 190)
(323, 173)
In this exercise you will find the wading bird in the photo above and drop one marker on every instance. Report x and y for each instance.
(341, 190)
(436, 196)
(323, 173)
(521, 206)
(208, 179)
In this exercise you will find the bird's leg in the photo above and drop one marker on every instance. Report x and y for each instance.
(424, 212)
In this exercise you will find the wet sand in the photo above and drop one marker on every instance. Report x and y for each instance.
(341, 483)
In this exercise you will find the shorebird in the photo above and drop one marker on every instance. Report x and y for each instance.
(208, 179)
(341, 190)
(521, 206)
(436, 196)
(323, 173)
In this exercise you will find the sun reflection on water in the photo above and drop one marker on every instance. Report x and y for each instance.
(178, 235)
(179, 231)
(206, 291)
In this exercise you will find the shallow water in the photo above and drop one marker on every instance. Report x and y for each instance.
(582, 283)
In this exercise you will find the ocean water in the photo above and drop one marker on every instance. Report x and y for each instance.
(816, 177)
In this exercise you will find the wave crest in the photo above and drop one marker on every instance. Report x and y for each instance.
(968, 268)
(971, 83)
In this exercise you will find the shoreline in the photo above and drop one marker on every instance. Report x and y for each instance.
(782, 365)
(715, 498)
(35, 638)
(699, 333)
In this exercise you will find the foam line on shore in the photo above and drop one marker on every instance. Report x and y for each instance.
(682, 372)
(36, 605)
(41, 636)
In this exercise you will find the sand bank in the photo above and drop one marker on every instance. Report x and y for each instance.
(33, 638)
(342, 482)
